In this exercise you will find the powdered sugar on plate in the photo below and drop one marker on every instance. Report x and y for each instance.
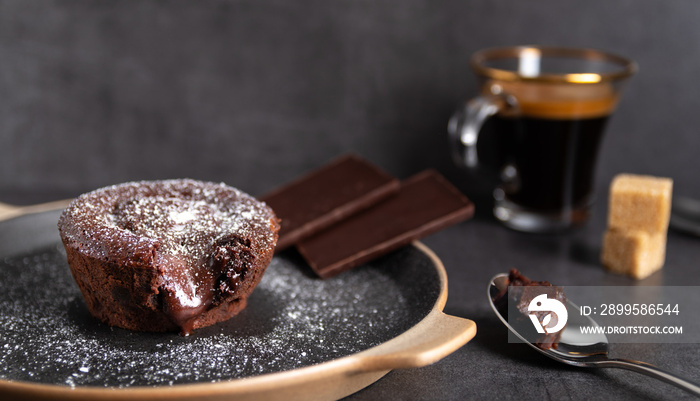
(293, 319)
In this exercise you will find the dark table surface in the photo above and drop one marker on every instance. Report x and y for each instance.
(491, 367)
(257, 93)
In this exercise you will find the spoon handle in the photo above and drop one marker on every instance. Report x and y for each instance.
(652, 371)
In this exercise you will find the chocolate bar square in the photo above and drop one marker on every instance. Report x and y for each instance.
(326, 196)
(424, 204)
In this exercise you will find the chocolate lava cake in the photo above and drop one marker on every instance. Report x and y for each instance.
(167, 255)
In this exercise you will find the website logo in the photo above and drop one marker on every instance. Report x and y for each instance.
(549, 324)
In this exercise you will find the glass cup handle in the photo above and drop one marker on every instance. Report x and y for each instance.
(465, 124)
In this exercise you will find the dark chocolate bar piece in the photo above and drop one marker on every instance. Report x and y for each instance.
(426, 203)
(325, 196)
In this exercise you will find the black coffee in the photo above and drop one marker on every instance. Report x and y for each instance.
(554, 158)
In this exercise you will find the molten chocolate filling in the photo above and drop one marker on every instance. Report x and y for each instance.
(200, 266)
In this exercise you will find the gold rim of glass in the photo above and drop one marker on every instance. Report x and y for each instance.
(627, 66)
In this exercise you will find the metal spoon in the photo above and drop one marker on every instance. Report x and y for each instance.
(685, 215)
(588, 351)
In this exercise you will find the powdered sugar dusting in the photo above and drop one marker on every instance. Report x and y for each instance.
(292, 320)
(180, 217)
(207, 244)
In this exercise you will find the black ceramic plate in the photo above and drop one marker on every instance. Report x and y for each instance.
(293, 319)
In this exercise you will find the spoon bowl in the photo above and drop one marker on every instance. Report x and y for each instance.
(584, 350)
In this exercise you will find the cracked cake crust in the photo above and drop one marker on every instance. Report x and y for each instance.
(167, 255)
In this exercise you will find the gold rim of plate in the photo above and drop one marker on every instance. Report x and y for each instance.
(430, 340)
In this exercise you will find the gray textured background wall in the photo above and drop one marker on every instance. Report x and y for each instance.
(99, 92)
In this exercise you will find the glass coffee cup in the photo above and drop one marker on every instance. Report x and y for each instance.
(538, 123)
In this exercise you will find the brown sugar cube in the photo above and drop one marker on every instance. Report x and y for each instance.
(639, 202)
(633, 252)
